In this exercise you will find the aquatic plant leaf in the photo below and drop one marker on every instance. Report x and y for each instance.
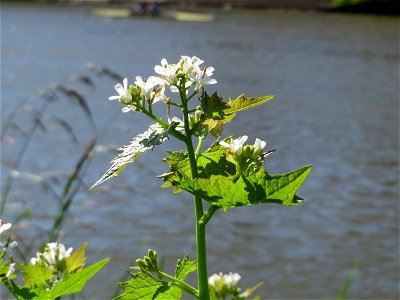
(145, 286)
(217, 184)
(153, 136)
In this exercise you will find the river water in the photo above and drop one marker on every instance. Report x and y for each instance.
(337, 107)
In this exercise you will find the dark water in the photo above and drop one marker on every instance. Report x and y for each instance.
(336, 81)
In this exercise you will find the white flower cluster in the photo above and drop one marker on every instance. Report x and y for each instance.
(237, 145)
(185, 74)
(53, 255)
(225, 285)
(6, 245)
(227, 280)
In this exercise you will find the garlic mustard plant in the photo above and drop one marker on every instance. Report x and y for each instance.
(55, 272)
(220, 173)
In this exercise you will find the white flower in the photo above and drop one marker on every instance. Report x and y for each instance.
(11, 270)
(4, 227)
(202, 77)
(231, 279)
(190, 65)
(124, 94)
(258, 146)
(148, 85)
(168, 72)
(236, 145)
(53, 254)
(34, 260)
(5, 245)
(220, 282)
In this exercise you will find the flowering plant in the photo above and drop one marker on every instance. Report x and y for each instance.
(49, 275)
(227, 174)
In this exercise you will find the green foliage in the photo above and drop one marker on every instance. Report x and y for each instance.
(77, 260)
(153, 136)
(145, 286)
(217, 112)
(218, 181)
(47, 282)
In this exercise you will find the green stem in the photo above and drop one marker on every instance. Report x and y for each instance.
(184, 286)
(208, 214)
(201, 252)
(199, 145)
(174, 132)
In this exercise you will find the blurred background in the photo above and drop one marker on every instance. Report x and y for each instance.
(335, 72)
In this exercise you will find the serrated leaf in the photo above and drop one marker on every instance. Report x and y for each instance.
(217, 112)
(19, 292)
(254, 188)
(210, 162)
(216, 185)
(185, 267)
(77, 260)
(155, 135)
(37, 274)
(242, 103)
(143, 286)
(74, 283)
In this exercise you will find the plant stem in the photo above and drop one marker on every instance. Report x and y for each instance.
(184, 286)
(201, 252)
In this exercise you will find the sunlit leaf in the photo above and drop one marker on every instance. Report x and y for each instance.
(217, 112)
(216, 183)
(145, 286)
(77, 260)
(155, 135)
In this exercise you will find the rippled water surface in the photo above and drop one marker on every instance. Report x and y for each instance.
(337, 107)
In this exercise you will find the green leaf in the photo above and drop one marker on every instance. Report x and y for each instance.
(211, 162)
(77, 260)
(254, 188)
(185, 267)
(36, 275)
(74, 283)
(217, 112)
(144, 286)
(19, 292)
(242, 103)
(155, 135)
(216, 183)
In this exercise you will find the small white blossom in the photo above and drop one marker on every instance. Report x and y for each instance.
(190, 65)
(203, 77)
(236, 145)
(124, 94)
(11, 270)
(259, 145)
(231, 279)
(53, 254)
(148, 87)
(5, 245)
(4, 227)
(224, 283)
(168, 72)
